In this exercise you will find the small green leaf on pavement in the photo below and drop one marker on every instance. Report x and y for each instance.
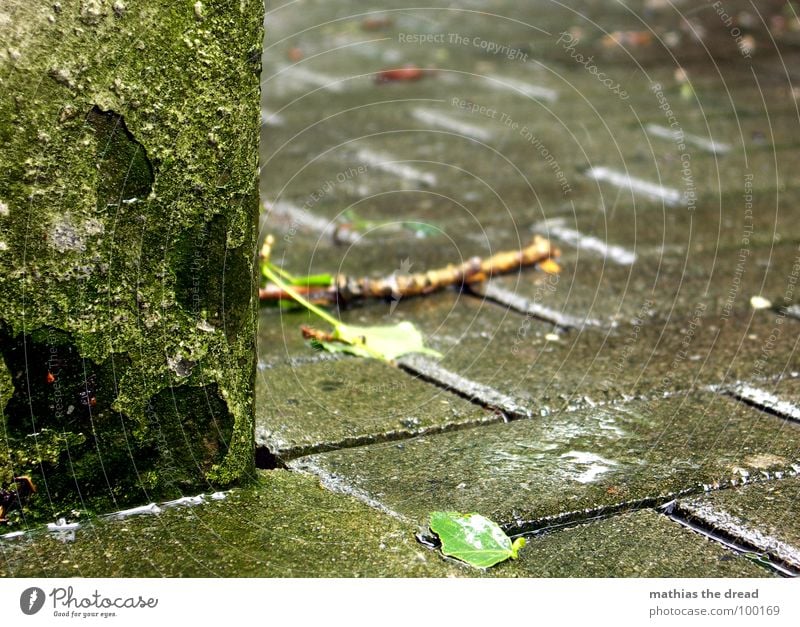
(474, 539)
(383, 342)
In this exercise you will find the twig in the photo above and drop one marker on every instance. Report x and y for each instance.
(310, 333)
(347, 289)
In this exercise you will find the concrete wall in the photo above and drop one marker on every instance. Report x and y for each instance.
(128, 208)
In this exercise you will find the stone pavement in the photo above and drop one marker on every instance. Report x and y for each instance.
(632, 413)
(636, 415)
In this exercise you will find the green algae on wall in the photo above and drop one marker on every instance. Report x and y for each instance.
(128, 216)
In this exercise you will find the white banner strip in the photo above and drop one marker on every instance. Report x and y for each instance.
(378, 603)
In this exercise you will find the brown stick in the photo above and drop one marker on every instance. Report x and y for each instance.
(471, 271)
(310, 333)
(315, 294)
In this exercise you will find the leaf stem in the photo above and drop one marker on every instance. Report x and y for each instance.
(279, 271)
(272, 276)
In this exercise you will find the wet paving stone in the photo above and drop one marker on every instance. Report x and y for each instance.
(610, 256)
(285, 525)
(530, 36)
(417, 156)
(611, 264)
(349, 402)
(639, 544)
(567, 466)
(760, 517)
(428, 229)
(592, 286)
(549, 369)
(593, 118)
(737, 219)
(483, 395)
(579, 122)
(653, 302)
(280, 340)
(525, 172)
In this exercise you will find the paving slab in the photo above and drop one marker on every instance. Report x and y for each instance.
(586, 125)
(540, 161)
(570, 465)
(760, 516)
(609, 258)
(547, 369)
(531, 37)
(738, 218)
(723, 94)
(639, 544)
(594, 287)
(349, 402)
(285, 525)
(735, 227)
(417, 156)
(525, 359)
(280, 340)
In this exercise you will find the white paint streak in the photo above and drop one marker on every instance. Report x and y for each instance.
(310, 77)
(555, 229)
(300, 217)
(702, 143)
(62, 525)
(537, 92)
(303, 218)
(390, 164)
(12, 534)
(333, 483)
(434, 118)
(185, 500)
(669, 195)
(66, 530)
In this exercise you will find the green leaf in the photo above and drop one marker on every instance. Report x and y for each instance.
(474, 539)
(386, 342)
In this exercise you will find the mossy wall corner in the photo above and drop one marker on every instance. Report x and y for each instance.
(128, 224)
